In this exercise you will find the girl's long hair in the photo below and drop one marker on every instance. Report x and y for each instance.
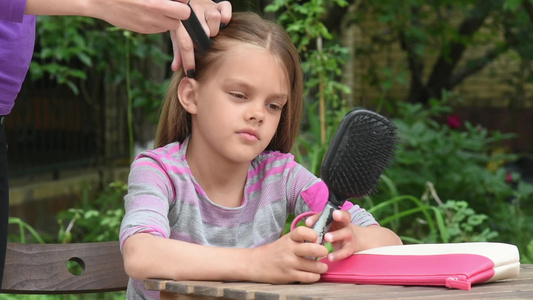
(245, 27)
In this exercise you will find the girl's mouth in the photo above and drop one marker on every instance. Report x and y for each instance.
(248, 135)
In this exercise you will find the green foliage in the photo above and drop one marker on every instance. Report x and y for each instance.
(527, 257)
(96, 220)
(455, 161)
(309, 149)
(61, 40)
(463, 164)
(23, 227)
(422, 47)
(92, 58)
(70, 48)
(449, 222)
(463, 224)
(322, 61)
(482, 200)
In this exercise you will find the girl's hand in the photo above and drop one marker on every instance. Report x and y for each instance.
(347, 238)
(341, 235)
(285, 260)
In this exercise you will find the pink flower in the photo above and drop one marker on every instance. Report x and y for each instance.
(509, 177)
(454, 121)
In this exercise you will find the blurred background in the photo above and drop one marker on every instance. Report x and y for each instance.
(455, 77)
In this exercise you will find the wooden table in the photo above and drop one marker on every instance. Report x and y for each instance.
(520, 287)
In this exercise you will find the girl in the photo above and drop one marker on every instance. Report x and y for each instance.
(210, 203)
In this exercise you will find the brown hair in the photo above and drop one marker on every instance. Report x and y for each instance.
(245, 27)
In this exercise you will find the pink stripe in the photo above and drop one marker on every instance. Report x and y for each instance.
(347, 205)
(316, 196)
(272, 171)
(145, 163)
(178, 170)
(158, 150)
(157, 165)
(151, 230)
(272, 159)
(176, 148)
(168, 150)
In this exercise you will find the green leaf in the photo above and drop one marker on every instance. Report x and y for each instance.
(512, 4)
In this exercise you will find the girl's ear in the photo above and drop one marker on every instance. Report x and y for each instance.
(187, 94)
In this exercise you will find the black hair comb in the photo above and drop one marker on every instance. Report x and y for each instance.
(361, 150)
(196, 31)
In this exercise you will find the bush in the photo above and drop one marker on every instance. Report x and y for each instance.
(464, 165)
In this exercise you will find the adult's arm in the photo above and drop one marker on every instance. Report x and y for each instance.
(143, 16)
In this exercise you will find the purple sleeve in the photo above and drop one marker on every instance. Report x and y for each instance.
(16, 50)
(12, 10)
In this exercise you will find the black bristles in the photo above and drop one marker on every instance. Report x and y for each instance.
(362, 149)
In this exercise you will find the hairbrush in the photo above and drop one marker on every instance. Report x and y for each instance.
(361, 150)
(196, 31)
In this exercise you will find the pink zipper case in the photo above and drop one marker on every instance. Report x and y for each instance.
(454, 265)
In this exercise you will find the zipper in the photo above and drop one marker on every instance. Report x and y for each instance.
(458, 282)
(450, 281)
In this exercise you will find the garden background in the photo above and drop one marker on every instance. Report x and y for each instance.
(454, 76)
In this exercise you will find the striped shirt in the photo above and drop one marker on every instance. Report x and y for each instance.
(165, 200)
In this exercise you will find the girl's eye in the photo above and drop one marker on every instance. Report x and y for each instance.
(237, 95)
(274, 106)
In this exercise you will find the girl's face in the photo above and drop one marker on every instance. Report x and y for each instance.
(239, 104)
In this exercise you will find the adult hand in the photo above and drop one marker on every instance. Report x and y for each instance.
(213, 16)
(286, 260)
(144, 16)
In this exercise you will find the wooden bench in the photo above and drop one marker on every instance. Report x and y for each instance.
(42, 268)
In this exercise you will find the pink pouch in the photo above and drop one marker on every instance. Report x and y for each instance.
(454, 265)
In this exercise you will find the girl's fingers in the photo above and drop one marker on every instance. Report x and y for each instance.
(303, 234)
(310, 221)
(340, 254)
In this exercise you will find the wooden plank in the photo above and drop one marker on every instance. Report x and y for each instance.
(344, 291)
(245, 290)
(206, 289)
(42, 268)
(308, 291)
(180, 287)
(155, 284)
(252, 292)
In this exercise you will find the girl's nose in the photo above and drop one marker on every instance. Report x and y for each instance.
(256, 113)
